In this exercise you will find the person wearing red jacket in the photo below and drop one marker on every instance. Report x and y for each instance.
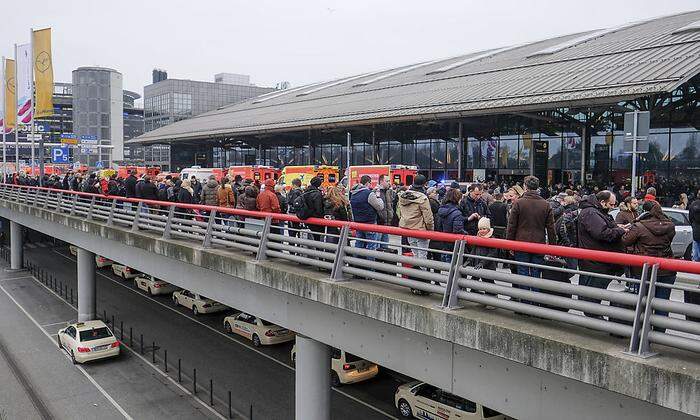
(267, 199)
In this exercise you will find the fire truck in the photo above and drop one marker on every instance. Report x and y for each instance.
(257, 173)
(123, 171)
(397, 174)
(306, 172)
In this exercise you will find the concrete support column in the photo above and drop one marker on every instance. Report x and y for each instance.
(86, 285)
(16, 244)
(312, 380)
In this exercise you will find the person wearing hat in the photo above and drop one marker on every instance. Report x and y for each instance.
(267, 200)
(484, 231)
(314, 201)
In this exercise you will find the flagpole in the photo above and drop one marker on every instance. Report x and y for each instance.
(31, 108)
(4, 123)
(16, 120)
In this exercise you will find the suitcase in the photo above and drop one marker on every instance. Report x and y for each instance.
(559, 276)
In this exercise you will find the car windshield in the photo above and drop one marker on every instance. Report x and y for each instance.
(95, 334)
(349, 358)
(266, 323)
(488, 413)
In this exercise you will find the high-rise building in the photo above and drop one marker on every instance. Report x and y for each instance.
(98, 110)
(232, 79)
(159, 75)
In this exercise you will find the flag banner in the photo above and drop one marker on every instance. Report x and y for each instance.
(43, 73)
(9, 119)
(2, 96)
(24, 84)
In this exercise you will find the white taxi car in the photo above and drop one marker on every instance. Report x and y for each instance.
(124, 271)
(100, 261)
(346, 368)
(424, 401)
(89, 340)
(198, 303)
(256, 329)
(153, 285)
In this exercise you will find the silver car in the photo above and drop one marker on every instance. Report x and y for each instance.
(682, 244)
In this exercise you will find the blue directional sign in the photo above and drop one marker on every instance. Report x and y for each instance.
(60, 154)
(99, 165)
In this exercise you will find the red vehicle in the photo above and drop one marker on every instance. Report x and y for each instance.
(48, 170)
(397, 174)
(258, 173)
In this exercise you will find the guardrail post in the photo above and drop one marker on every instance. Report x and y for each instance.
(262, 249)
(92, 206)
(137, 216)
(169, 222)
(339, 260)
(59, 200)
(113, 207)
(449, 299)
(46, 199)
(74, 204)
(637, 323)
(206, 243)
(644, 346)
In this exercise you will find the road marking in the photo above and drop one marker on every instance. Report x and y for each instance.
(80, 368)
(56, 323)
(16, 278)
(226, 336)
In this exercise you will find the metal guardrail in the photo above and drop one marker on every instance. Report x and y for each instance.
(334, 246)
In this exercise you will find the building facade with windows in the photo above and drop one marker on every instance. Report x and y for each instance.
(553, 108)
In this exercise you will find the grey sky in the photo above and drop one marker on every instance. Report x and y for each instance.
(298, 41)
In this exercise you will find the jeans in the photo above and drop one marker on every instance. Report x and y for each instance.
(371, 246)
(696, 251)
(144, 208)
(421, 254)
(384, 238)
(663, 293)
(524, 257)
(592, 282)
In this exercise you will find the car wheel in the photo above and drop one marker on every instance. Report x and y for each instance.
(335, 379)
(688, 256)
(405, 409)
(175, 301)
(194, 310)
(227, 327)
(72, 358)
(256, 340)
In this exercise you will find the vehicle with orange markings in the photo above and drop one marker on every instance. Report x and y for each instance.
(306, 172)
(203, 174)
(397, 174)
(258, 173)
(48, 170)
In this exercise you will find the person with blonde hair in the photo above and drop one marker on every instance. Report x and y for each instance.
(336, 206)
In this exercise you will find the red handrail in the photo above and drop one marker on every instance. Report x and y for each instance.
(617, 258)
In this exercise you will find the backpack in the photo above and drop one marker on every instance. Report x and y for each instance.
(566, 228)
(301, 208)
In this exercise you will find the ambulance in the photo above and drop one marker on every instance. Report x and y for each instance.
(306, 173)
(397, 174)
(202, 174)
(257, 173)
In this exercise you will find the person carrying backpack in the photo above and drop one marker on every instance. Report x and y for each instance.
(310, 204)
(292, 196)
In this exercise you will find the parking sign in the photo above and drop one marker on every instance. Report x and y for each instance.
(60, 154)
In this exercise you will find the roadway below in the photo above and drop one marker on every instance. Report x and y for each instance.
(259, 377)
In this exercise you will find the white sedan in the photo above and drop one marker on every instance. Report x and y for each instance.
(259, 331)
(124, 271)
(89, 340)
(346, 368)
(100, 261)
(153, 285)
(198, 303)
(424, 401)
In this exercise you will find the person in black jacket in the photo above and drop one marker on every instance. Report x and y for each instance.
(450, 219)
(473, 208)
(314, 201)
(292, 195)
(336, 207)
(130, 185)
(694, 218)
(184, 196)
(498, 211)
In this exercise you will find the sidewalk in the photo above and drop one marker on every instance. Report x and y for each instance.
(39, 381)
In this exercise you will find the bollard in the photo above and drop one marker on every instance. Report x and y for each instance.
(154, 353)
(141, 344)
(121, 323)
(113, 324)
(131, 337)
(250, 416)
(179, 371)
(230, 412)
(165, 360)
(105, 315)
(194, 382)
(71, 302)
(211, 392)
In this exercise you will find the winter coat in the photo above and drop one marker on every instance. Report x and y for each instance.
(365, 205)
(149, 191)
(184, 196)
(625, 215)
(597, 230)
(567, 226)
(209, 196)
(292, 196)
(450, 219)
(483, 251)
(196, 191)
(247, 201)
(530, 217)
(267, 202)
(499, 214)
(314, 201)
(386, 215)
(414, 211)
(284, 204)
(336, 212)
(225, 196)
(694, 218)
(651, 235)
(470, 206)
(130, 184)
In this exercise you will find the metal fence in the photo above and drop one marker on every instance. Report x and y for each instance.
(431, 263)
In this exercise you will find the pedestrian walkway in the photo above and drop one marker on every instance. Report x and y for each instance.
(39, 380)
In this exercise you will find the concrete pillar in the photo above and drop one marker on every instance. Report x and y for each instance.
(313, 380)
(86, 285)
(16, 244)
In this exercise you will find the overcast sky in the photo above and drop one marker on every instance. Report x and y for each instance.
(297, 41)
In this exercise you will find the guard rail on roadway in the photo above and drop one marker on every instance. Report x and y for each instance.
(326, 245)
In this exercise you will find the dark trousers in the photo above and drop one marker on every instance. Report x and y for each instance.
(596, 282)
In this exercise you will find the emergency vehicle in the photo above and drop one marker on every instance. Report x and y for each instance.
(203, 174)
(397, 174)
(306, 172)
(257, 173)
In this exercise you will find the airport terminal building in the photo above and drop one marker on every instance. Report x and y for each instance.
(553, 108)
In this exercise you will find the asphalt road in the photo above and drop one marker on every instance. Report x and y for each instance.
(263, 378)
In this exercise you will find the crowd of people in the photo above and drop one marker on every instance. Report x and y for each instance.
(560, 215)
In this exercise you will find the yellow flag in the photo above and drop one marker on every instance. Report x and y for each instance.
(10, 99)
(43, 73)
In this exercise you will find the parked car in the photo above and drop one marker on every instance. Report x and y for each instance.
(124, 271)
(346, 368)
(89, 340)
(198, 303)
(102, 262)
(256, 329)
(424, 401)
(682, 244)
(153, 285)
